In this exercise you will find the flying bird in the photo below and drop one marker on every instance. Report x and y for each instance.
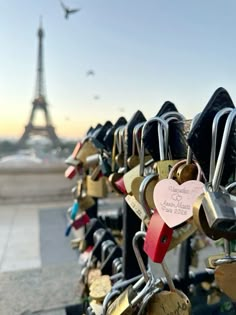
(90, 72)
(68, 11)
(96, 97)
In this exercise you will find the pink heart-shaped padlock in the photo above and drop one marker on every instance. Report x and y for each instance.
(174, 202)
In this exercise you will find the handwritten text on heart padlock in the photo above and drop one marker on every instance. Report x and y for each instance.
(174, 202)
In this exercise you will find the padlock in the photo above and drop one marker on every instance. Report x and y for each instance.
(88, 148)
(130, 175)
(106, 247)
(119, 158)
(199, 214)
(133, 159)
(218, 204)
(77, 147)
(218, 117)
(188, 170)
(175, 202)
(95, 308)
(136, 207)
(122, 304)
(80, 221)
(158, 236)
(85, 202)
(137, 181)
(112, 179)
(92, 160)
(70, 172)
(169, 302)
(157, 239)
(174, 300)
(97, 188)
(128, 301)
(92, 227)
(99, 237)
(113, 253)
(100, 287)
(164, 165)
(225, 272)
(117, 265)
(117, 149)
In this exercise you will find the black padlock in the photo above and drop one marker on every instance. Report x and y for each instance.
(100, 236)
(107, 265)
(93, 226)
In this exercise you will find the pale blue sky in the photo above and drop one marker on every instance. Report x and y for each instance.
(143, 53)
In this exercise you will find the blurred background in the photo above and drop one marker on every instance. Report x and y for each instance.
(68, 66)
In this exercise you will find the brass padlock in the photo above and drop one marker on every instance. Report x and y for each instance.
(122, 304)
(100, 287)
(88, 148)
(97, 188)
(189, 170)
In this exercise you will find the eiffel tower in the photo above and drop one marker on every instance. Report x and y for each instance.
(39, 104)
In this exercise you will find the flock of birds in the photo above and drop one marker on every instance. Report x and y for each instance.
(67, 12)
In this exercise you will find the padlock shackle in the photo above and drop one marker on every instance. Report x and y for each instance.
(215, 124)
(220, 161)
(135, 141)
(142, 198)
(170, 114)
(182, 162)
(141, 264)
(164, 153)
(142, 148)
(115, 146)
(109, 297)
(147, 298)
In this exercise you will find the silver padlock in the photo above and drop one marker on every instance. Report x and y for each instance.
(218, 204)
(106, 248)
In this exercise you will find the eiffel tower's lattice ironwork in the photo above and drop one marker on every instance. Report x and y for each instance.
(39, 103)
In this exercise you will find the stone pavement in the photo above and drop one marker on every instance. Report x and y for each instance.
(38, 269)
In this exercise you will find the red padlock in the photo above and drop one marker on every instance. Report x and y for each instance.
(81, 221)
(121, 185)
(70, 172)
(158, 238)
(76, 149)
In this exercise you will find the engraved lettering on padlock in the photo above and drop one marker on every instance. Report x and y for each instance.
(174, 202)
(136, 207)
